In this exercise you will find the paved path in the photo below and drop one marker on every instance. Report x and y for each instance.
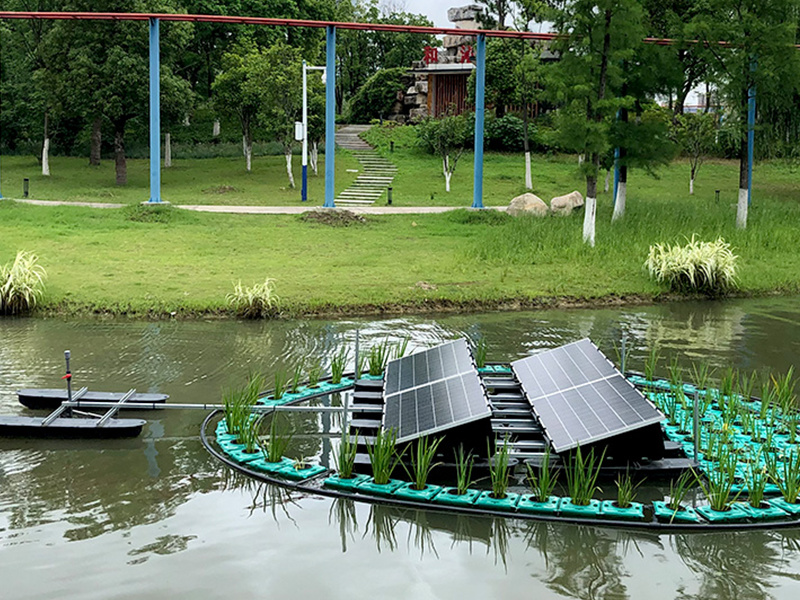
(265, 210)
(377, 172)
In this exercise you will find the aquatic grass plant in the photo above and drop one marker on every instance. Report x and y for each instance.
(582, 472)
(400, 348)
(651, 363)
(757, 477)
(338, 364)
(314, 373)
(279, 440)
(21, 284)
(719, 483)
(626, 489)
(360, 364)
(238, 404)
(346, 455)
(543, 479)
(499, 469)
(464, 464)
(297, 377)
(695, 267)
(254, 302)
(678, 489)
(422, 455)
(383, 455)
(377, 357)
(700, 374)
(249, 435)
(280, 384)
(785, 474)
(767, 400)
(784, 387)
(479, 350)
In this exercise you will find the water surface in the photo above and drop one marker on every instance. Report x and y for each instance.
(157, 517)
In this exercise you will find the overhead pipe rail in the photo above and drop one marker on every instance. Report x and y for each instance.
(330, 77)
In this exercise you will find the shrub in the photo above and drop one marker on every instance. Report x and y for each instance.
(377, 96)
(505, 134)
(254, 302)
(702, 267)
(21, 284)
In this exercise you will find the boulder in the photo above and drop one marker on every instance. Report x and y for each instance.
(456, 41)
(564, 205)
(527, 204)
(421, 87)
(464, 13)
(417, 114)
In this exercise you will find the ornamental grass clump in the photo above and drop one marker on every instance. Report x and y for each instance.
(464, 463)
(719, 483)
(696, 267)
(542, 480)
(21, 284)
(499, 470)
(785, 474)
(254, 302)
(338, 363)
(421, 456)
(626, 490)
(346, 455)
(383, 456)
(238, 405)
(275, 446)
(678, 489)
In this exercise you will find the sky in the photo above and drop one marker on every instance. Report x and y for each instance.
(435, 10)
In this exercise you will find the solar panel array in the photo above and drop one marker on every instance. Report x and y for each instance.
(580, 397)
(433, 390)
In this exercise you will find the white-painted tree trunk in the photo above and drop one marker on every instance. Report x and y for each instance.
(691, 186)
(215, 128)
(248, 155)
(580, 159)
(186, 120)
(528, 176)
(588, 221)
(288, 156)
(167, 150)
(741, 209)
(244, 146)
(608, 176)
(313, 157)
(46, 157)
(619, 201)
(447, 173)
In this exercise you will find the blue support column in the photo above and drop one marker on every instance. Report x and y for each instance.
(330, 116)
(480, 95)
(751, 134)
(616, 175)
(155, 113)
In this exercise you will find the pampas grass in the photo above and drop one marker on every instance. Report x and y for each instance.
(696, 267)
(21, 284)
(254, 302)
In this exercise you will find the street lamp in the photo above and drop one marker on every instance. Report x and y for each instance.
(304, 125)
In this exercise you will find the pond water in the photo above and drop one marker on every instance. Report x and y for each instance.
(158, 517)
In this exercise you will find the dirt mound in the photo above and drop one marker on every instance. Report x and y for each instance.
(220, 189)
(333, 218)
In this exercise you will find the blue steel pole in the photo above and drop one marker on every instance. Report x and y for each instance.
(330, 116)
(751, 134)
(480, 94)
(155, 114)
(304, 191)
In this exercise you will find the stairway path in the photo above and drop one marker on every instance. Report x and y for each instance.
(377, 172)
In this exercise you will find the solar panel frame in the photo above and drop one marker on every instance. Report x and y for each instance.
(590, 402)
(432, 391)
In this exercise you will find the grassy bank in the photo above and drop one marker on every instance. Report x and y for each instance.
(130, 260)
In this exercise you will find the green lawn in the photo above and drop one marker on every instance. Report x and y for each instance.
(106, 260)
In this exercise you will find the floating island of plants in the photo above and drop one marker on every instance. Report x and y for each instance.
(744, 470)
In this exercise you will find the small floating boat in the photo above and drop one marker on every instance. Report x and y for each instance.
(50, 399)
(73, 427)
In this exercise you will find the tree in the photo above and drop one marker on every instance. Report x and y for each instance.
(377, 96)
(695, 133)
(447, 137)
(597, 36)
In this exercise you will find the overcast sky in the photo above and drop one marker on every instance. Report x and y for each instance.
(435, 10)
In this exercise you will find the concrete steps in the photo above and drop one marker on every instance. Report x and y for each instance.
(377, 173)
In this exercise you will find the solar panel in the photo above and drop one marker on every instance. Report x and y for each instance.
(432, 391)
(580, 397)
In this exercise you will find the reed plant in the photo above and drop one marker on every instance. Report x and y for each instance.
(314, 374)
(626, 490)
(338, 364)
(346, 454)
(676, 382)
(785, 474)
(377, 357)
(543, 479)
(784, 387)
(400, 348)
(792, 423)
(464, 463)
(700, 374)
(281, 382)
(360, 364)
(297, 377)
(678, 489)
(254, 302)
(499, 469)
(479, 352)
(279, 440)
(727, 383)
(383, 455)
(757, 478)
(695, 267)
(651, 363)
(582, 473)
(249, 435)
(21, 284)
(422, 455)
(719, 483)
(745, 386)
(767, 400)
(238, 404)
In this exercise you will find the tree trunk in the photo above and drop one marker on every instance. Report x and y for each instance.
(622, 192)
(590, 210)
(691, 185)
(314, 156)
(527, 147)
(447, 173)
(215, 129)
(96, 140)
(167, 150)
(287, 152)
(744, 179)
(46, 146)
(120, 164)
(608, 177)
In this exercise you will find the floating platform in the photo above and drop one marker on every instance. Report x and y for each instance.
(66, 428)
(50, 399)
